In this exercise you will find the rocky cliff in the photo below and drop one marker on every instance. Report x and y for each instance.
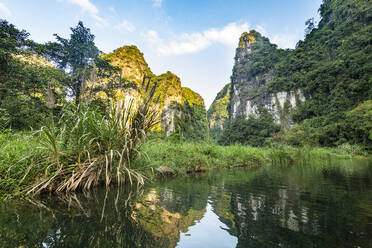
(316, 85)
(252, 74)
(218, 112)
(172, 96)
(249, 90)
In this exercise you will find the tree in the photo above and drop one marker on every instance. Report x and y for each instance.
(252, 131)
(358, 124)
(310, 25)
(11, 42)
(191, 123)
(74, 55)
(26, 80)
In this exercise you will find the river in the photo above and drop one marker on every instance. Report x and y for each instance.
(274, 206)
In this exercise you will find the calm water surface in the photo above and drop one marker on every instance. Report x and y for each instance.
(290, 206)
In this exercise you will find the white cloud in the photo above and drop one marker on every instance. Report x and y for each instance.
(188, 43)
(125, 25)
(152, 36)
(282, 40)
(89, 7)
(86, 5)
(195, 42)
(285, 40)
(5, 10)
(261, 30)
(112, 9)
(157, 3)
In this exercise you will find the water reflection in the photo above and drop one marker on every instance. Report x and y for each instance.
(209, 232)
(297, 206)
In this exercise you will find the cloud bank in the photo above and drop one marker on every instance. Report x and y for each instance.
(188, 43)
(194, 42)
(125, 25)
(88, 7)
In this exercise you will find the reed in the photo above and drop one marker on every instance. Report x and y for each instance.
(87, 148)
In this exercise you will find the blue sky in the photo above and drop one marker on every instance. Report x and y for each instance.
(195, 39)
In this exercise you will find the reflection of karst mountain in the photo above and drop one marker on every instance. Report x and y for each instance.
(260, 218)
(250, 216)
(274, 207)
(164, 225)
(288, 209)
(221, 202)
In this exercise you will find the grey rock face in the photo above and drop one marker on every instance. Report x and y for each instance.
(250, 93)
(168, 119)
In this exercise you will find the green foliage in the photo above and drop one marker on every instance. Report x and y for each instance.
(131, 62)
(299, 135)
(359, 124)
(254, 131)
(354, 127)
(87, 148)
(169, 91)
(11, 40)
(184, 157)
(169, 87)
(260, 59)
(332, 67)
(218, 112)
(74, 55)
(191, 97)
(352, 149)
(83, 149)
(13, 149)
(191, 124)
(26, 81)
(310, 25)
(15, 161)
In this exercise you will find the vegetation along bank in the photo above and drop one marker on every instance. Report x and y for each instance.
(73, 117)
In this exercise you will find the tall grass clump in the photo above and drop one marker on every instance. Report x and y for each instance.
(13, 165)
(86, 147)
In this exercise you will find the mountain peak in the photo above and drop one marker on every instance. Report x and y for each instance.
(131, 61)
(247, 39)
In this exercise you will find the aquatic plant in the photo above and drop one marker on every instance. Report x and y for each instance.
(87, 147)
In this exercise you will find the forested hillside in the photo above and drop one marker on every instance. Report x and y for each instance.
(26, 81)
(218, 112)
(182, 110)
(37, 80)
(317, 92)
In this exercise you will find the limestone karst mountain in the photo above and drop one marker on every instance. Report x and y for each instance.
(249, 88)
(218, 112)
(252, 73)
(316, 85)
(177, 105)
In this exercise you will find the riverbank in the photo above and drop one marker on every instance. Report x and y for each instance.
(156, 157)
(187, 157)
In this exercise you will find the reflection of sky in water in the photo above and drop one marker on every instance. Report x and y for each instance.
(208, 233)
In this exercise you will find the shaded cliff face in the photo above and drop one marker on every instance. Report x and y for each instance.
(252, 73)
(249, 91)
(316, 84)
(172, 96)
(218, 112)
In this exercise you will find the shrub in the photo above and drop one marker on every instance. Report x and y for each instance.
(86, 147)
(254, 131)
(351, 149)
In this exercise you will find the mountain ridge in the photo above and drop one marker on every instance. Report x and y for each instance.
(313, 88)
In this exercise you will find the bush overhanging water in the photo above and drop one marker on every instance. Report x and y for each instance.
(87, 148)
